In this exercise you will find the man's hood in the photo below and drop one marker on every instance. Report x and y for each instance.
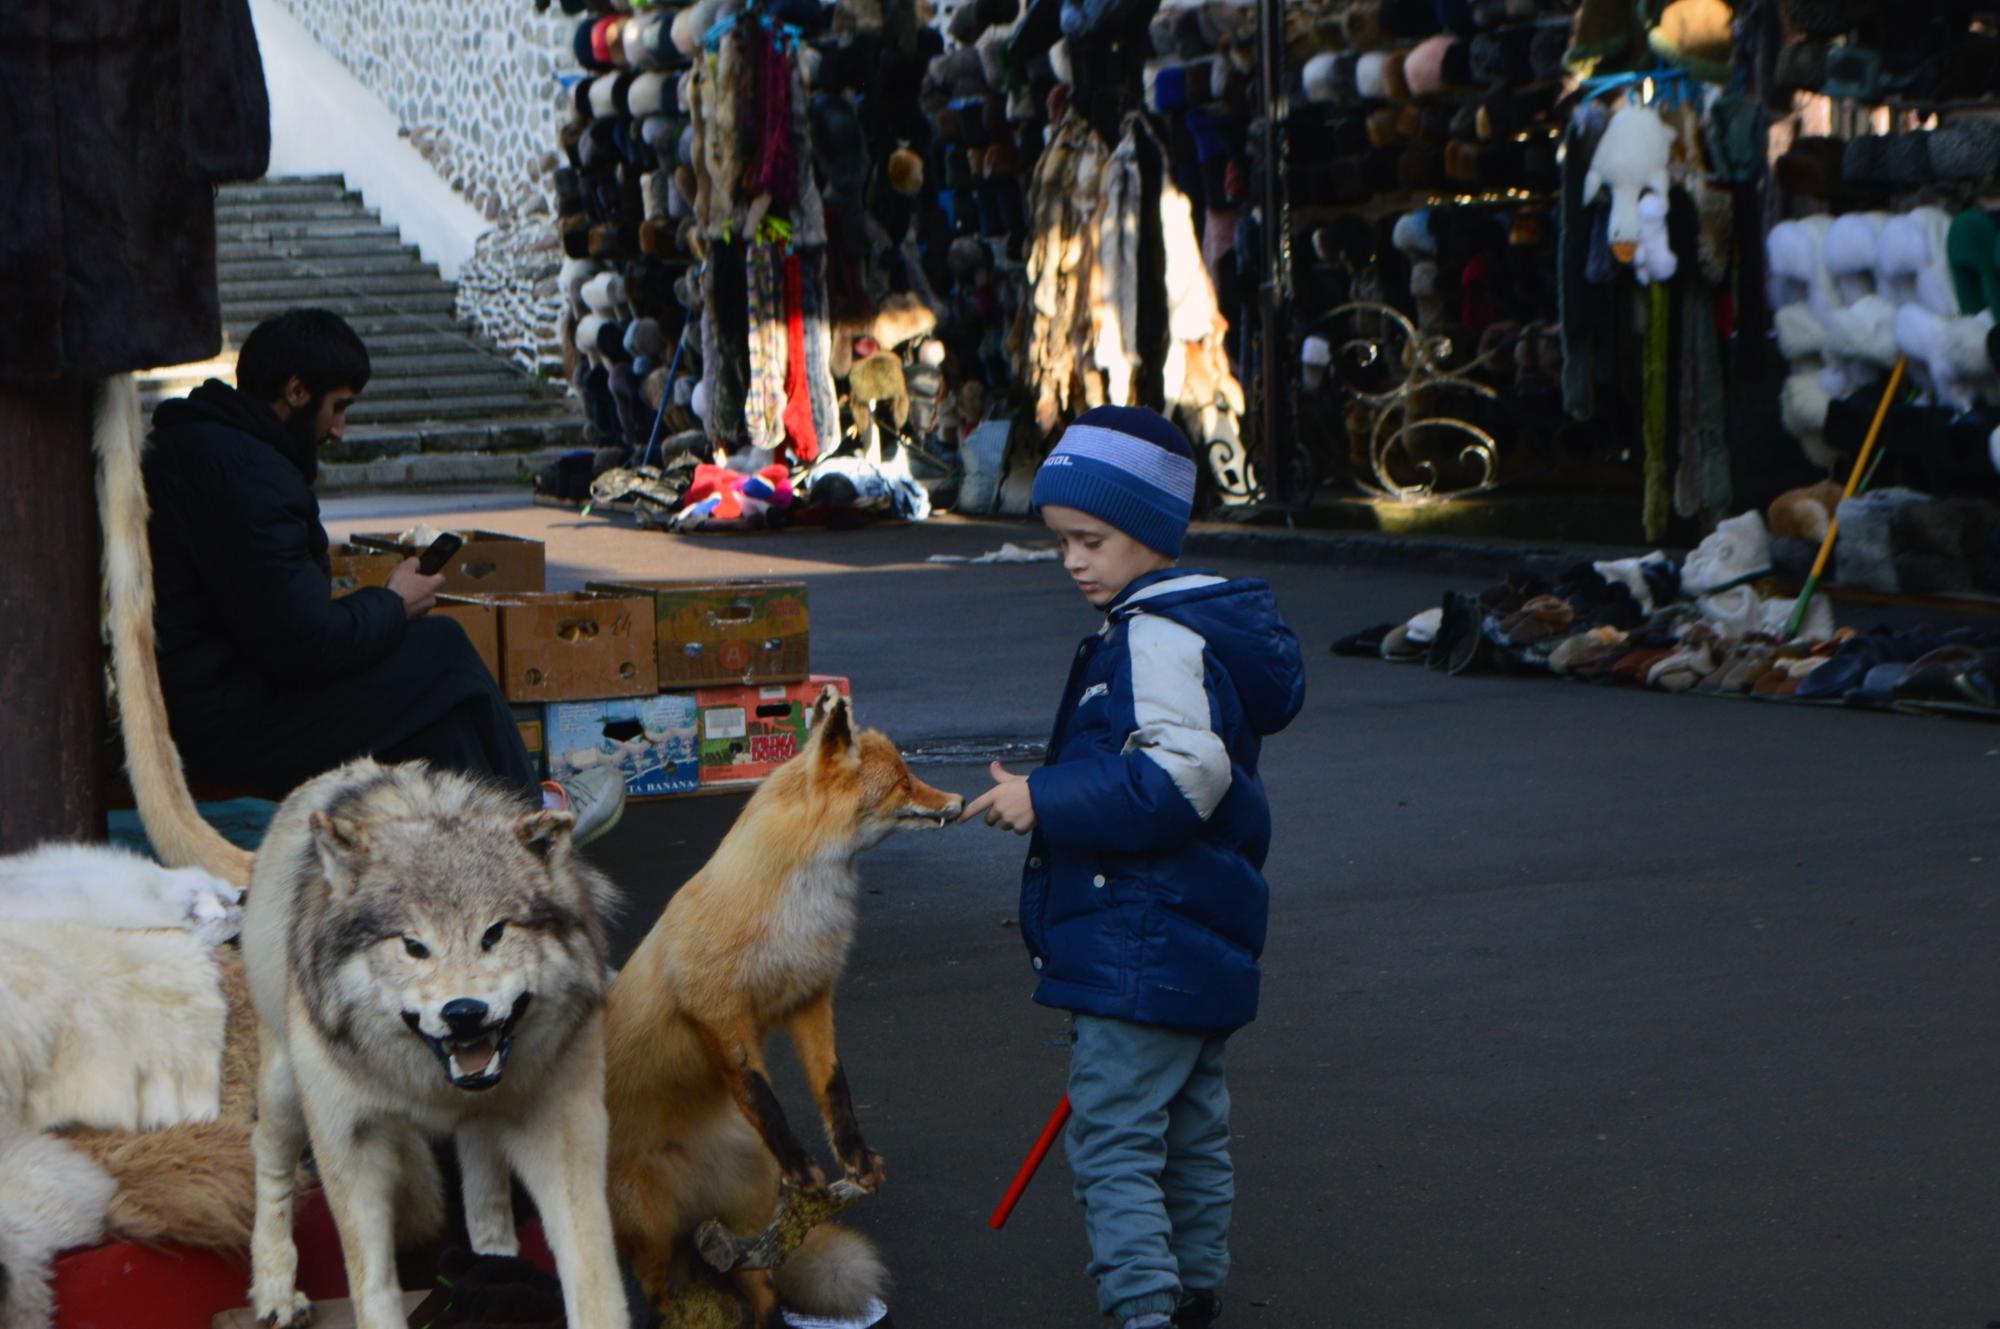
(215, 402)
(1239, 620)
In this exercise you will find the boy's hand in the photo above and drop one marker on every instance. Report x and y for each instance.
(1008, 803)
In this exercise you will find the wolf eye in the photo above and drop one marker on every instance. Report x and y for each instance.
(493, 935)
(417, 949)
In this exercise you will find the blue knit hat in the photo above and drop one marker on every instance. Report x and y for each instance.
(1129, 467)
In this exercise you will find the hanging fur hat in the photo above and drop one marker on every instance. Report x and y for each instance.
(1952, 352)
(604, 97)
(1795, 256)
(1816, 167)
(1912, 263)
(1605, 37)
(1424, 70)
(1965, 150)
(1849, 253)
(879, 377)
(648, 93)
(902, 317)
(1697, 36)
(1371, 77)
(1318, 79)
(572, 276)
(906, 172)
(644, 340)
(690, 25)
(1800, 335)
(1972, 247)
(1864, 334)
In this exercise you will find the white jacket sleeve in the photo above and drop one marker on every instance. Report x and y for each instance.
(1170, 705)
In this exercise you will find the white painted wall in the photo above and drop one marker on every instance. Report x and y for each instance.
(325, 122)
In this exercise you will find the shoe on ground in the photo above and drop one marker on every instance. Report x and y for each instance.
(596, 797)
(1198, 1310)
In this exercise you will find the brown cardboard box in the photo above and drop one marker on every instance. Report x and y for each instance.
(355, 567)
(726, 633)
(529, 720)
(570, 646)
(489, 563)
(746, 733)
(481, 621)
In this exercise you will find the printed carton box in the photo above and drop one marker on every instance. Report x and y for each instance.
(489, 563)
(653, 741)
(746, 733)
(726, 633)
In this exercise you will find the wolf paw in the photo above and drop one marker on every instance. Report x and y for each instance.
(720, 1247)
(292, 1312)
(871, 1172)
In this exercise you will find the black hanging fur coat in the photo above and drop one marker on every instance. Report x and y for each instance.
(117, 120)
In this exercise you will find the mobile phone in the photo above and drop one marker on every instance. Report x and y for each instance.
(432, 560)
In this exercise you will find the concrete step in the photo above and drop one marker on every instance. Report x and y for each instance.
(472, 405)
(434, 307)
(268, 267)
(384, 333)
(507, 433)
(233, 215)
(354, 246)
(436, 470)
(296, 289)
(338, 228)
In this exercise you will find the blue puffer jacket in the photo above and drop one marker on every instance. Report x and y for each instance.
(1143, 897)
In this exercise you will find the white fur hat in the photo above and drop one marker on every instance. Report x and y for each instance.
(1951, 350)
(1370, 75)
(588, 332)
(1800, 336)
(1797, 254)
(604, 294)
(700, 400)
(1736, 548)
(1864, 332)
(1851, 244)
(1803, 405)
(603, 103)
(1059, 62)
(1318, 78)
(1911, 261)
(693, 23)
(648, 94)
(575, 272)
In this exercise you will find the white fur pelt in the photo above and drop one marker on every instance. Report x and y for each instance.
(105, 1028)
(51, 1198)
(1952, 352)
(1115, 348)
(1852, 244)
(1796, 251)
(116, 888)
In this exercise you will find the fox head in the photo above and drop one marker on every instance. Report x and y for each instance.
(454, 923)
(865, 765)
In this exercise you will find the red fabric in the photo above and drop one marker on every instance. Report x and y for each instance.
(775, 169)
(726, 485)
(1476, 302)
(799, 430)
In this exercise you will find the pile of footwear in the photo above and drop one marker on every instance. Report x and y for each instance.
(1700, 624)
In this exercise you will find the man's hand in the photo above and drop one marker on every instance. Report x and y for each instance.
(1008, 803)
(418, 592)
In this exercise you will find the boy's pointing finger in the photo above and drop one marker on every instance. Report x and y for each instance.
(975, 807)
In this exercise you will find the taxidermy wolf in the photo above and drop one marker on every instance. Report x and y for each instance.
(427, 958)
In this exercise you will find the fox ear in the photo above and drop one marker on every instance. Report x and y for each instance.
(833, 725)
(542, 833)
(342, 843)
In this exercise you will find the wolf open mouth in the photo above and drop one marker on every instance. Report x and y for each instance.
(474, 1063)
(915, 814)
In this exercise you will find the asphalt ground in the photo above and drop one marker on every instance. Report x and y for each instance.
(1583, 1006)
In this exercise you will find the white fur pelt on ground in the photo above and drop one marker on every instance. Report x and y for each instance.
(113, 1029)
(51, 1198)
(115, 888)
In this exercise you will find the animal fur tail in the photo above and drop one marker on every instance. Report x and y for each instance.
(166, 807)
(51, 1198)
(835, 1273)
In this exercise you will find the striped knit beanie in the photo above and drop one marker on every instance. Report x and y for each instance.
(1131, 468)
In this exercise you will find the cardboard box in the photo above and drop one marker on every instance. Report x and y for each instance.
(653, 740)
(355, 567)
(726, 633)
(570, 646)
(746, 733)
(481, 621)
(489, 563)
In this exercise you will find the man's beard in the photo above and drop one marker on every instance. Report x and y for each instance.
(302, 427)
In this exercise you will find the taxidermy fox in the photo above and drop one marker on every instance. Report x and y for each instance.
(753, 942)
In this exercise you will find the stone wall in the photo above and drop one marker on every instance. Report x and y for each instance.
(475, 89)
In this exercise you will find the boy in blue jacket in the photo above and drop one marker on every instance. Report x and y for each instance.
(1142, 903)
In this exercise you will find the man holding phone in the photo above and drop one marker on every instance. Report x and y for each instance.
(269, 679)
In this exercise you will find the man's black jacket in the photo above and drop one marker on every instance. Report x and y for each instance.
(245, 606)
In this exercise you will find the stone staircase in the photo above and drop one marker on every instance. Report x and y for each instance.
(442, 406)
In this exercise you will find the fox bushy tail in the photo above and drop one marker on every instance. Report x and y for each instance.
(166, 807)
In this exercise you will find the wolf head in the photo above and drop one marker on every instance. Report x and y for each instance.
(865, 775)
(450, 921)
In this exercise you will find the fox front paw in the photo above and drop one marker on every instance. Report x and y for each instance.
(868, 1171)
(806, 1176)
(291, 1311)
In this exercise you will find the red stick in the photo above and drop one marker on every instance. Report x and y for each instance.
(1027, 1172)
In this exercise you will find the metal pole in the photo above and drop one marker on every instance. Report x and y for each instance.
(1276, 361)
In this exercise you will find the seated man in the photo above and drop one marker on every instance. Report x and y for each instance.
(269, 679)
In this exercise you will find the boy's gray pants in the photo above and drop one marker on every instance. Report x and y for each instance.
(1149, 1143)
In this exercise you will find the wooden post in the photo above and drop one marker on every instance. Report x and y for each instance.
(52, 713)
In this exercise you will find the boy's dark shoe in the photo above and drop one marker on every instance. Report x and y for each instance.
(1198, 1310)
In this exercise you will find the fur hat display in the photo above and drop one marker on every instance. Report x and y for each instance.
(1967, 150)
(906, 172)
(1912, 263)
(1697, 36)
(1972, 248)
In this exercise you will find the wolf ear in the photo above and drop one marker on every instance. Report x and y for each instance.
(833, 724)
(342, 843)
(542, 833)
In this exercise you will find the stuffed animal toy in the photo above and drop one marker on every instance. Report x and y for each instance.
(1631, 158)
(1804, 514)
(1654, 260)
